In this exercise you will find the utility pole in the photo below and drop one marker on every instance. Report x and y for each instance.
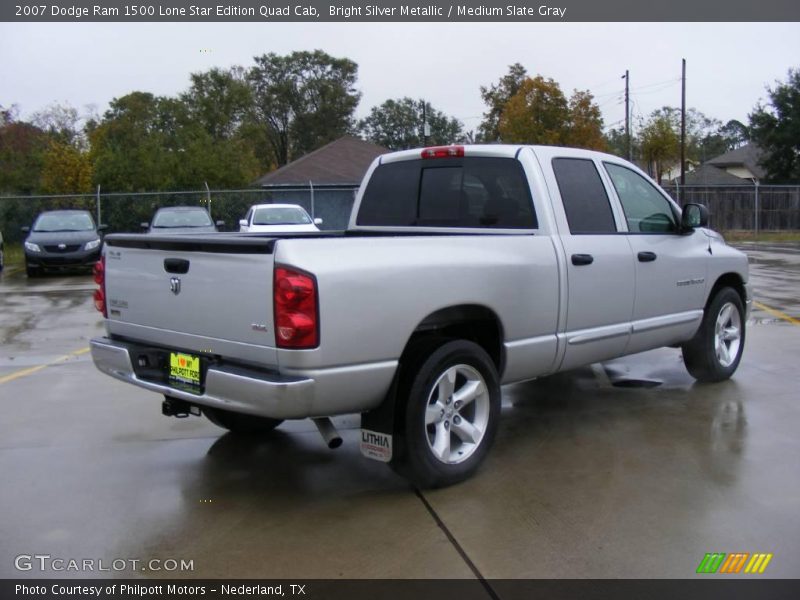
(425, 128)
(683, 122)
(627, 79)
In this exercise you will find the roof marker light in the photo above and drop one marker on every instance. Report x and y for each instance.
(443, 152)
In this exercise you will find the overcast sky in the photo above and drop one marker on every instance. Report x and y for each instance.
(728, 65)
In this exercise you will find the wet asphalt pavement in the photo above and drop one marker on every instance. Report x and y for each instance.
(625, 469)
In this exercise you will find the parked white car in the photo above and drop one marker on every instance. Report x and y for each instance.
(277, 218)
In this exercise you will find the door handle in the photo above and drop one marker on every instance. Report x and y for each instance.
(647, 256)
(582, 259)
(179, 266)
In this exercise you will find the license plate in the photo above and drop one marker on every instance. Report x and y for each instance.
(184, 369)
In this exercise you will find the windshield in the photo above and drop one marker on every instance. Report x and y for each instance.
(281, 215)
(182, 218)
(64, 222)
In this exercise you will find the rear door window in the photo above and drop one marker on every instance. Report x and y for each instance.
(584, 196)
(449, 192)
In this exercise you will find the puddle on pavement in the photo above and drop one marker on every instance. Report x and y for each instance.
(636, 383)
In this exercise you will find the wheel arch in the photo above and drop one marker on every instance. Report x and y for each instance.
(732, 280)
(473, 322)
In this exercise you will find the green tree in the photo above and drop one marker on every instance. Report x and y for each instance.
(496, 96)
(660, 144)
(22, 148)
(219, 100)
(776, 129)
(705, 136)
(658, 140)
(146, 143)
(735, 133)
(397, 125)
(66, 170)
(130, 149)
(302, 101)
(617, 142)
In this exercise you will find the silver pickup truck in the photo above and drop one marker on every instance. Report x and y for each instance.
(463, 268)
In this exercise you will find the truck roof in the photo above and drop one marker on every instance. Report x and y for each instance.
(491, 150)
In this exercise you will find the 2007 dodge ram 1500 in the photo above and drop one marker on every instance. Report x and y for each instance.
(462, 268)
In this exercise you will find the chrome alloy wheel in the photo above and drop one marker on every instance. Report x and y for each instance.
(457, 414)
(727, 334)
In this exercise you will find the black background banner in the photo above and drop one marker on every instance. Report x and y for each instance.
(700, 588)
(399, 11)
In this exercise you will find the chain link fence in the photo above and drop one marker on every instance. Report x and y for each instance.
(751, 208)
(745, 208)
(126, 212)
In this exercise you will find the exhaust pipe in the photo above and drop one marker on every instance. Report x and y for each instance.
(328, 432)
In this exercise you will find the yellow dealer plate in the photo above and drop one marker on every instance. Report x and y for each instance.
(184, 368)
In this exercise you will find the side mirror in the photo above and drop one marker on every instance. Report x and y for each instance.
(102, 227)
(220, 223)
(25, 229)
(242, 222)
(144, 225)
(693, 216)
(317, 221)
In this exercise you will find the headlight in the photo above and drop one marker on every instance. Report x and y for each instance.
(92, 245)
(32, 247)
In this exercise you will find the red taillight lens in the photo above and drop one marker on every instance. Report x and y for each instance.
(295, 307)
(443, 152)
(100, 301)
(100, 271)
(100, 279)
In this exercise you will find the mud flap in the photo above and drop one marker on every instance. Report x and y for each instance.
(378, 439)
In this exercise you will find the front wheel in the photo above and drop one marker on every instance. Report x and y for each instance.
(713, 354)
(240, 423)
(452, 414)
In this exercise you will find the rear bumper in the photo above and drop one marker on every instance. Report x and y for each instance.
(232, 388)
(243, 389)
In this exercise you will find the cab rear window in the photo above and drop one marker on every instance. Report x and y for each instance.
(449, 192)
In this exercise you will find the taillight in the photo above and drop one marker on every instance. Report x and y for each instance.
(443, 152)
(100, 292)
(295, 307)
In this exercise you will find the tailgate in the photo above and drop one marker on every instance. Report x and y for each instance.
(215, 287)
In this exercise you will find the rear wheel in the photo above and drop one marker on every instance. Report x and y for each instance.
(451, 416)
(713, 354)
(240, 423)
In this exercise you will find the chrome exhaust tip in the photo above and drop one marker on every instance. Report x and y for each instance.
(328, 432)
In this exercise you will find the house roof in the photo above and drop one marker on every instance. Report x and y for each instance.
(342, 162)
(710, 175)
(746, 156)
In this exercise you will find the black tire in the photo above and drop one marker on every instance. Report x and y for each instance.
(469, 368)
(32, 271)
(704, 360)
(240, 423)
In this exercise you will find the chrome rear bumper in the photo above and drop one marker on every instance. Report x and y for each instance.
(234, 388)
